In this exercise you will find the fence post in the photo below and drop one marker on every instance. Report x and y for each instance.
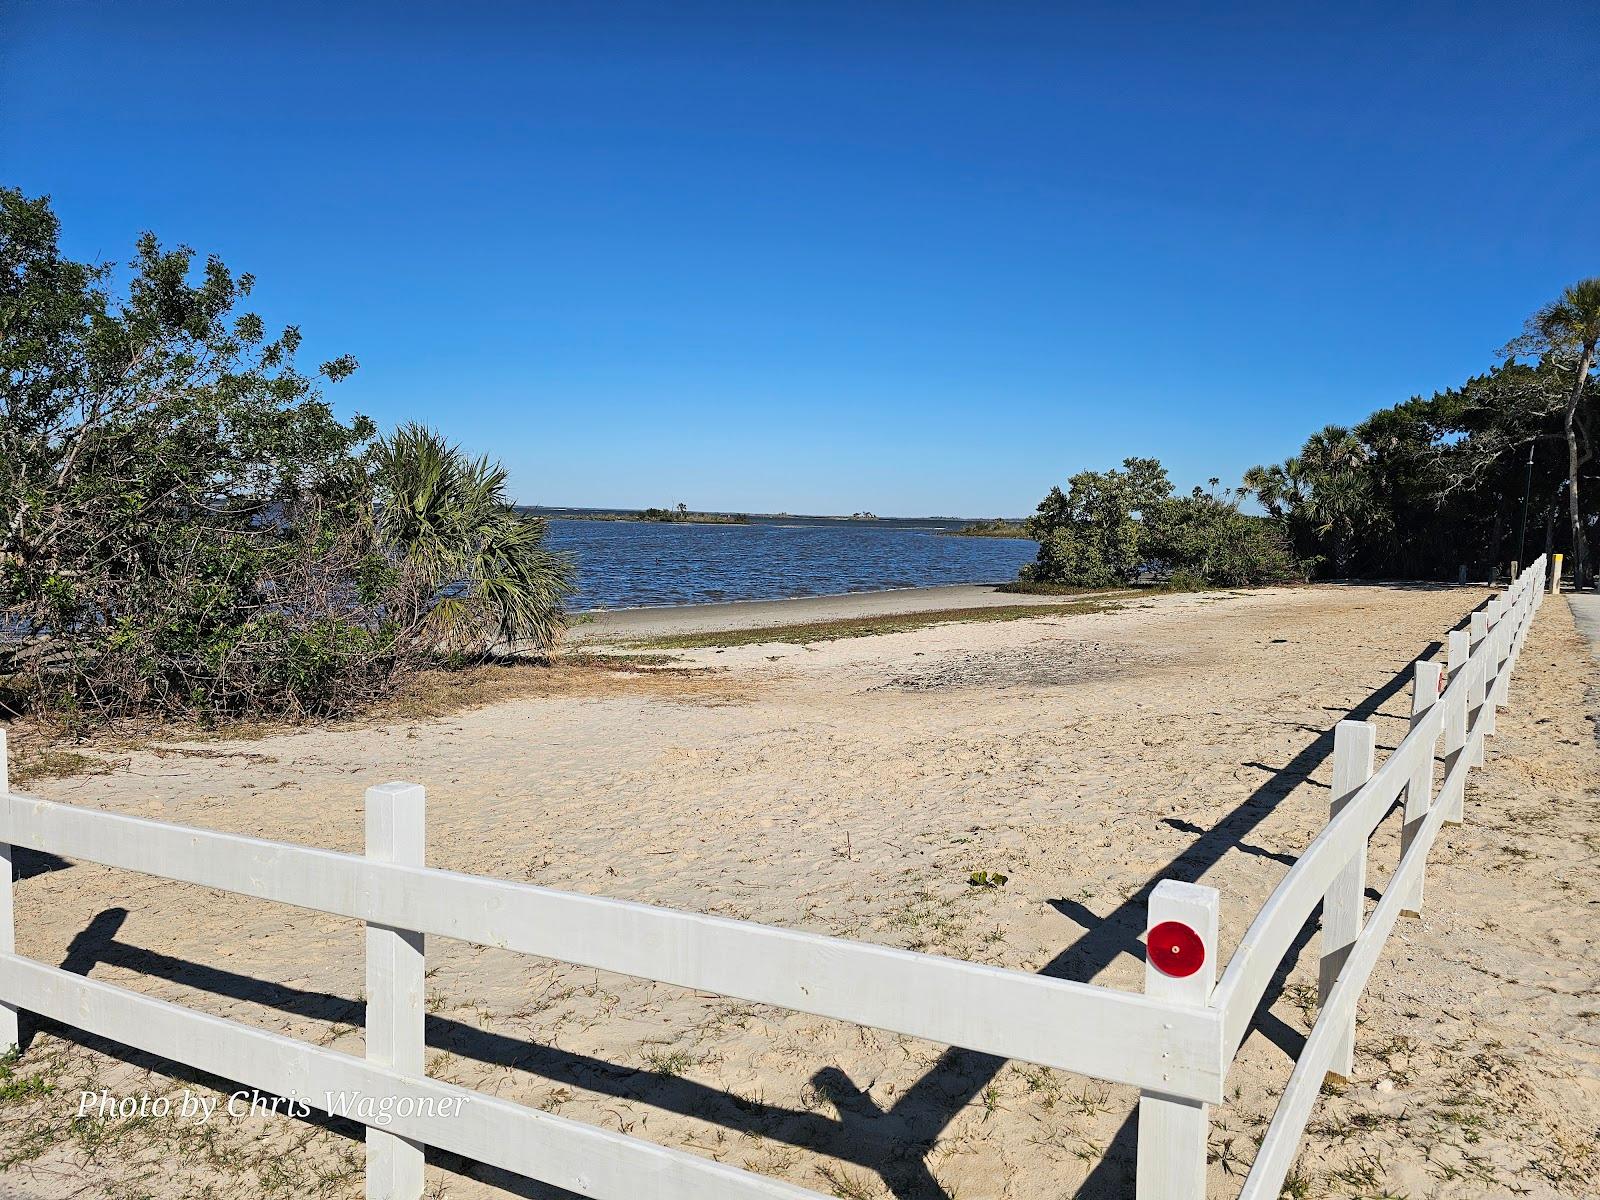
(9, 1035)
(1476, 663)
(1353, 746)
(1502, 653)
(1521, 613)
(1455, 730)
(396, 833)
(1555, 574)
(1491, 675)
(1181, 922)
(1419, 788)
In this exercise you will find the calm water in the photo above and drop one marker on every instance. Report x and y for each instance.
(626, 564)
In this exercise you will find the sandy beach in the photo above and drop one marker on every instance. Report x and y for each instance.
(624, 623)
(852, 787)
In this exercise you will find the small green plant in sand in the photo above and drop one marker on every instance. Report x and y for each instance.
(987, 879)
(19, 1087)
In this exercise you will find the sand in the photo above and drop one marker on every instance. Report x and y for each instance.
(851, 788)
(625, 623)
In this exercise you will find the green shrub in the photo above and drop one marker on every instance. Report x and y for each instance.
(1205, 541)
(1108, 525)
(187, 526)
(1089, 534)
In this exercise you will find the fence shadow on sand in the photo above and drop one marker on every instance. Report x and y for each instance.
(890, 1142)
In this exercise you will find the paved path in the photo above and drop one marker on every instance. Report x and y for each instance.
(1586, 613)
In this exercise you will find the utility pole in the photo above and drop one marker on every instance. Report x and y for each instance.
(1527, 486)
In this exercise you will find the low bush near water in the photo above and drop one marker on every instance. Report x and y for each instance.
(1108, 525)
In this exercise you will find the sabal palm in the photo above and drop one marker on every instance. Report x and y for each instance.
(1325, 490)
(475, 572)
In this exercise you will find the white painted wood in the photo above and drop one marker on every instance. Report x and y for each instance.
(1501, 661)
(1504, 631)
(1491, 665)
(1455, 729)
(1173, 1131)
(1425, 679)
(1457, 647)
(1321, 1053)
(1478, 632)
(1343, 906)
(1289, 907)
(9, 1034)
(1271, 933)
(1527, 604)
(1477, 718)
(396, 833)
(585, 1159)
(1118, 1036)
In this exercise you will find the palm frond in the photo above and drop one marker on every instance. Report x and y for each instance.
(482, 576)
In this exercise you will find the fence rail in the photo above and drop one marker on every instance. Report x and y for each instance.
(1175, 1041)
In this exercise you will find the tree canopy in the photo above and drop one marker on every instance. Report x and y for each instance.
(186, 525)
(1108, 525)
(1429, 486)
(1500, 468)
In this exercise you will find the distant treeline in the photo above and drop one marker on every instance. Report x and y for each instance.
(681, 514)
(670, 516)
(1500, 468)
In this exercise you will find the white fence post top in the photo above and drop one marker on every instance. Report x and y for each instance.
(1353, 745)
(397, 792)
(1425, 677)
(395, 814)
(1193, 907)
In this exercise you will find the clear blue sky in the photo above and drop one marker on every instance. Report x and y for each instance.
(819, 257)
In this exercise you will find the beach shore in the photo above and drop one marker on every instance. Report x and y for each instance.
(851, 788)
(625, 623)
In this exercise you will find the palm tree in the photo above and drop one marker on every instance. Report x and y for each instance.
(475, 574)
(1566, 327)
(1326, 491)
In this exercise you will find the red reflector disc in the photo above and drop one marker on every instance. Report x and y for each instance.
(1175, 949)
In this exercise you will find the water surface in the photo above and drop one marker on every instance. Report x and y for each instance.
(628, 564)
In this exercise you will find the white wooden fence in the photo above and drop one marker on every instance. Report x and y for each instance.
(1175, 1042)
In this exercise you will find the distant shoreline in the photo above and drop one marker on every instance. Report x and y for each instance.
(644, 516)
(720, 518)
(607, 624)
(640, 516)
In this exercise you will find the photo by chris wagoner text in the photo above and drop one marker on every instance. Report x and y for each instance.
(201, 1107)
